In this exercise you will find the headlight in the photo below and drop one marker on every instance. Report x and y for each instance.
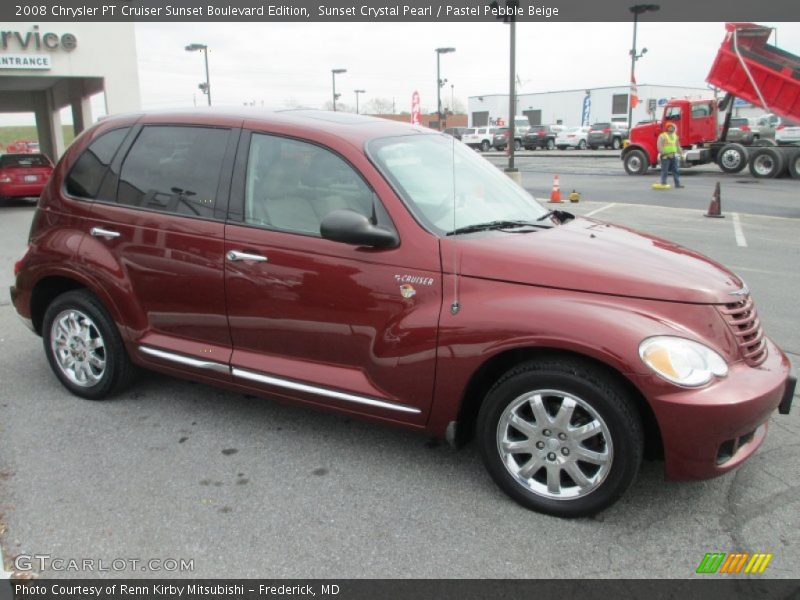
(682, 361)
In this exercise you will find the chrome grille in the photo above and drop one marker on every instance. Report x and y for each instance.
(743, 320)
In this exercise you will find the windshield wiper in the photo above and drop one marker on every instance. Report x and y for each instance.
(561, 215)
(491, 225)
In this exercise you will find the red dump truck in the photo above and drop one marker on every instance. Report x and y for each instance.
(746, 67)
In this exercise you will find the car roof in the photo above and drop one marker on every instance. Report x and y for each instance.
(303, 122)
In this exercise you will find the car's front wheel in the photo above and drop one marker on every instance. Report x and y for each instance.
(561, 436)
(582, 145)
(485, 146)
(84, 347)
(517, 145)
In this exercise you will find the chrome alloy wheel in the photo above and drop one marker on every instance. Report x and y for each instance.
(78, 348)
(635, 163)
(554, 444)
(763, 164)
(731, 159)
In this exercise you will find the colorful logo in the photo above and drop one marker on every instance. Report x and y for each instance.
(734, 563)
(407, 290)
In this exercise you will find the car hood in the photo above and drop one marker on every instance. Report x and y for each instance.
(592, 256)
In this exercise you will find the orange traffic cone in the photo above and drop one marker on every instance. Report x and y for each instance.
(715, 208)
(555, 195)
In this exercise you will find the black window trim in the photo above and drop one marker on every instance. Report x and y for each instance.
(239, 185)
(223, 185)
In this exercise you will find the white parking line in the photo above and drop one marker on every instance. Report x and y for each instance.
(737, 231)
(597, 210)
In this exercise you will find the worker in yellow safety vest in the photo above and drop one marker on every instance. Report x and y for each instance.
(669, 149)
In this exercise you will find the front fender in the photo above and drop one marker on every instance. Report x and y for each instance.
(496, 317)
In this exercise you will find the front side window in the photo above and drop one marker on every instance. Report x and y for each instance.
(174, 169)
(87, 173)
(447, 185)
(293, 185)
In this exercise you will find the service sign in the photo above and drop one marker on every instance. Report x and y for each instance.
(25, 61)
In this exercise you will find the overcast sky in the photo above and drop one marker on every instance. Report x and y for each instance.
(280, 63)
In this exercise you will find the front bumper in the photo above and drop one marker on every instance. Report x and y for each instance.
(709, 431)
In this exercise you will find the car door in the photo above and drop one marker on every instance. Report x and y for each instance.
(158, 243)
(347, 327)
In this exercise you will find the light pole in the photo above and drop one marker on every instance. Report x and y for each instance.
(334, 73)
(637, 10)
(358, 93)
(205, 87)
(452, 98)
(439, 83)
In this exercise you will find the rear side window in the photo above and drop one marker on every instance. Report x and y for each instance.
(738, 122)
(23, 160)
(174, 169)
(87, 173)
(293, 185)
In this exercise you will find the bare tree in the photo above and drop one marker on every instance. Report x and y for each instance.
(340, 106)
(379, 106)
(458, 107)
(293, 102)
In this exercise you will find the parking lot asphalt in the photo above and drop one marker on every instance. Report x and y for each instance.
(251, 487)
(599, 176)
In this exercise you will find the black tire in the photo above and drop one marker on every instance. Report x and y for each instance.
(517, 145)
(118, 372)
(732, 158)
(551, 144)
(616, 143)
(485, 146)
(582, 145)
(794, 164)
(615, 417)
(562, 147)
(636, 162)
(592, 147)
(766, 163)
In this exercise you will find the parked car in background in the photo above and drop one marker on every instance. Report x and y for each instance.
(500, 139)
(22, 147)
(480, 138)
(606, 134)
(787, 133)
(749, 130)
(574, 137)
(541, 136)
(456, 132)
(23, 175)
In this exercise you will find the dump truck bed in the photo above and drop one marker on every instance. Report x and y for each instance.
(748, 67)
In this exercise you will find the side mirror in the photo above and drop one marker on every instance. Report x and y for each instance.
(350, 227)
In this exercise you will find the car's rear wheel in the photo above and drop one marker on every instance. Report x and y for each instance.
(560, 436)
(485, 146)
(635, 162)
(582, 145)
(517, 145)
(84, 347)
(551, 144)
(615, 143)
(766, 163)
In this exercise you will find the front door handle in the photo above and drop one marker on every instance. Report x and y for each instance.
(234, 255)
(104, 233)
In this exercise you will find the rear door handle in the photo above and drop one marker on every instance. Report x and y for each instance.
(235, 255)
(104, 233)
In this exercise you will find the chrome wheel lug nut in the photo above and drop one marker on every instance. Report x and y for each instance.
(551, 456)
(565, 451)
(546, 433)
(540, 445)
(562, 436)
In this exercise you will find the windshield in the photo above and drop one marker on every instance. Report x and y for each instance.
(436, 176)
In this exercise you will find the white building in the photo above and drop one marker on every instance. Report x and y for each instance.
(45, 67)
(567, 107)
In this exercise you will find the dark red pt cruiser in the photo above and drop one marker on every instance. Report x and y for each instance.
(389, 272)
